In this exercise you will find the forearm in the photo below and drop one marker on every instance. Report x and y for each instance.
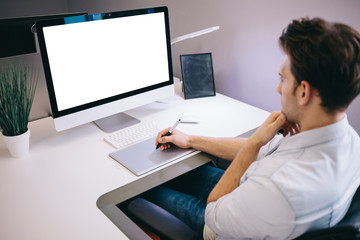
(225, 148)
(231, 178)
(247, 155)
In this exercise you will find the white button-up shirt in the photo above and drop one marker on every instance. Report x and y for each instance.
(298, 183)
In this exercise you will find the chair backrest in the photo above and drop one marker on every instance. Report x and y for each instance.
(159, 221)
(352, 216)
(347, 228)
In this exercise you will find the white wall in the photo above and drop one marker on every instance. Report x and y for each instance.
(23, 8)
(20, 8)
(246, 55)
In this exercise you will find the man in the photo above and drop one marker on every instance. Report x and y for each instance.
(278, 187)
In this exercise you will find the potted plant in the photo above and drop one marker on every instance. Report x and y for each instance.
(17, 90)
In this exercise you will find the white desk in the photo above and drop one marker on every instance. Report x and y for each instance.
(52, 193)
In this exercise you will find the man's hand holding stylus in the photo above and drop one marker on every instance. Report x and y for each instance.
(177, 138)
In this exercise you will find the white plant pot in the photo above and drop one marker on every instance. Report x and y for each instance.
(18, 146)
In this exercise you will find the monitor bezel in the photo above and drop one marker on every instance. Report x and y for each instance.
(22, 24)
(56, 113)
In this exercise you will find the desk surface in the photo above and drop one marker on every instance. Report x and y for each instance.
(52, 192)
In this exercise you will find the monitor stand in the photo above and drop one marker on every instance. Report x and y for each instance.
(116, 122)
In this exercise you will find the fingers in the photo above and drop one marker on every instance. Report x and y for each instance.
(280, 121)
(293, 129)
(290, 128)
(297, 128)
(276, 120)
(164, 139)
(269, 128)
(165, 146)
(273, 116)
(160, 135)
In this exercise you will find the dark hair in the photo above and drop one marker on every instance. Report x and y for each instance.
(327, 55)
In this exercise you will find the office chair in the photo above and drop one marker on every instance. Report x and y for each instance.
(167, 226)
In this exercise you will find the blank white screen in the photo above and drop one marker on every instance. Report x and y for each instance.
(94, 60)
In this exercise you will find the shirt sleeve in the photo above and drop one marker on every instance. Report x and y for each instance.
(256, 209)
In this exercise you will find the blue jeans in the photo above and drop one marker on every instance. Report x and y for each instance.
(185, 197)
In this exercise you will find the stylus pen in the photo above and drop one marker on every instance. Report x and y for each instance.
(170, 131)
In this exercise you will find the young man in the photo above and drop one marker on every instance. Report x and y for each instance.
(278, 187)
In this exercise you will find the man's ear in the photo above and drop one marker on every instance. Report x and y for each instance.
(304, 92)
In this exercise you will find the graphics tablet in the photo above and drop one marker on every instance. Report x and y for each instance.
(142, 157)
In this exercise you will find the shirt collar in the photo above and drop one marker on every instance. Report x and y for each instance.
(315, 136)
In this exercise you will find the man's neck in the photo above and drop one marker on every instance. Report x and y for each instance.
(320, 119)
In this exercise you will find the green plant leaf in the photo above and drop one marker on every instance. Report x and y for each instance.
(17, 90)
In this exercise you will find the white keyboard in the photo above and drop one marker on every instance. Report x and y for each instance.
(133, 134)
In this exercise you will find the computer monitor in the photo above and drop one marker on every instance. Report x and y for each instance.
(17, 34)
(102, 64)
